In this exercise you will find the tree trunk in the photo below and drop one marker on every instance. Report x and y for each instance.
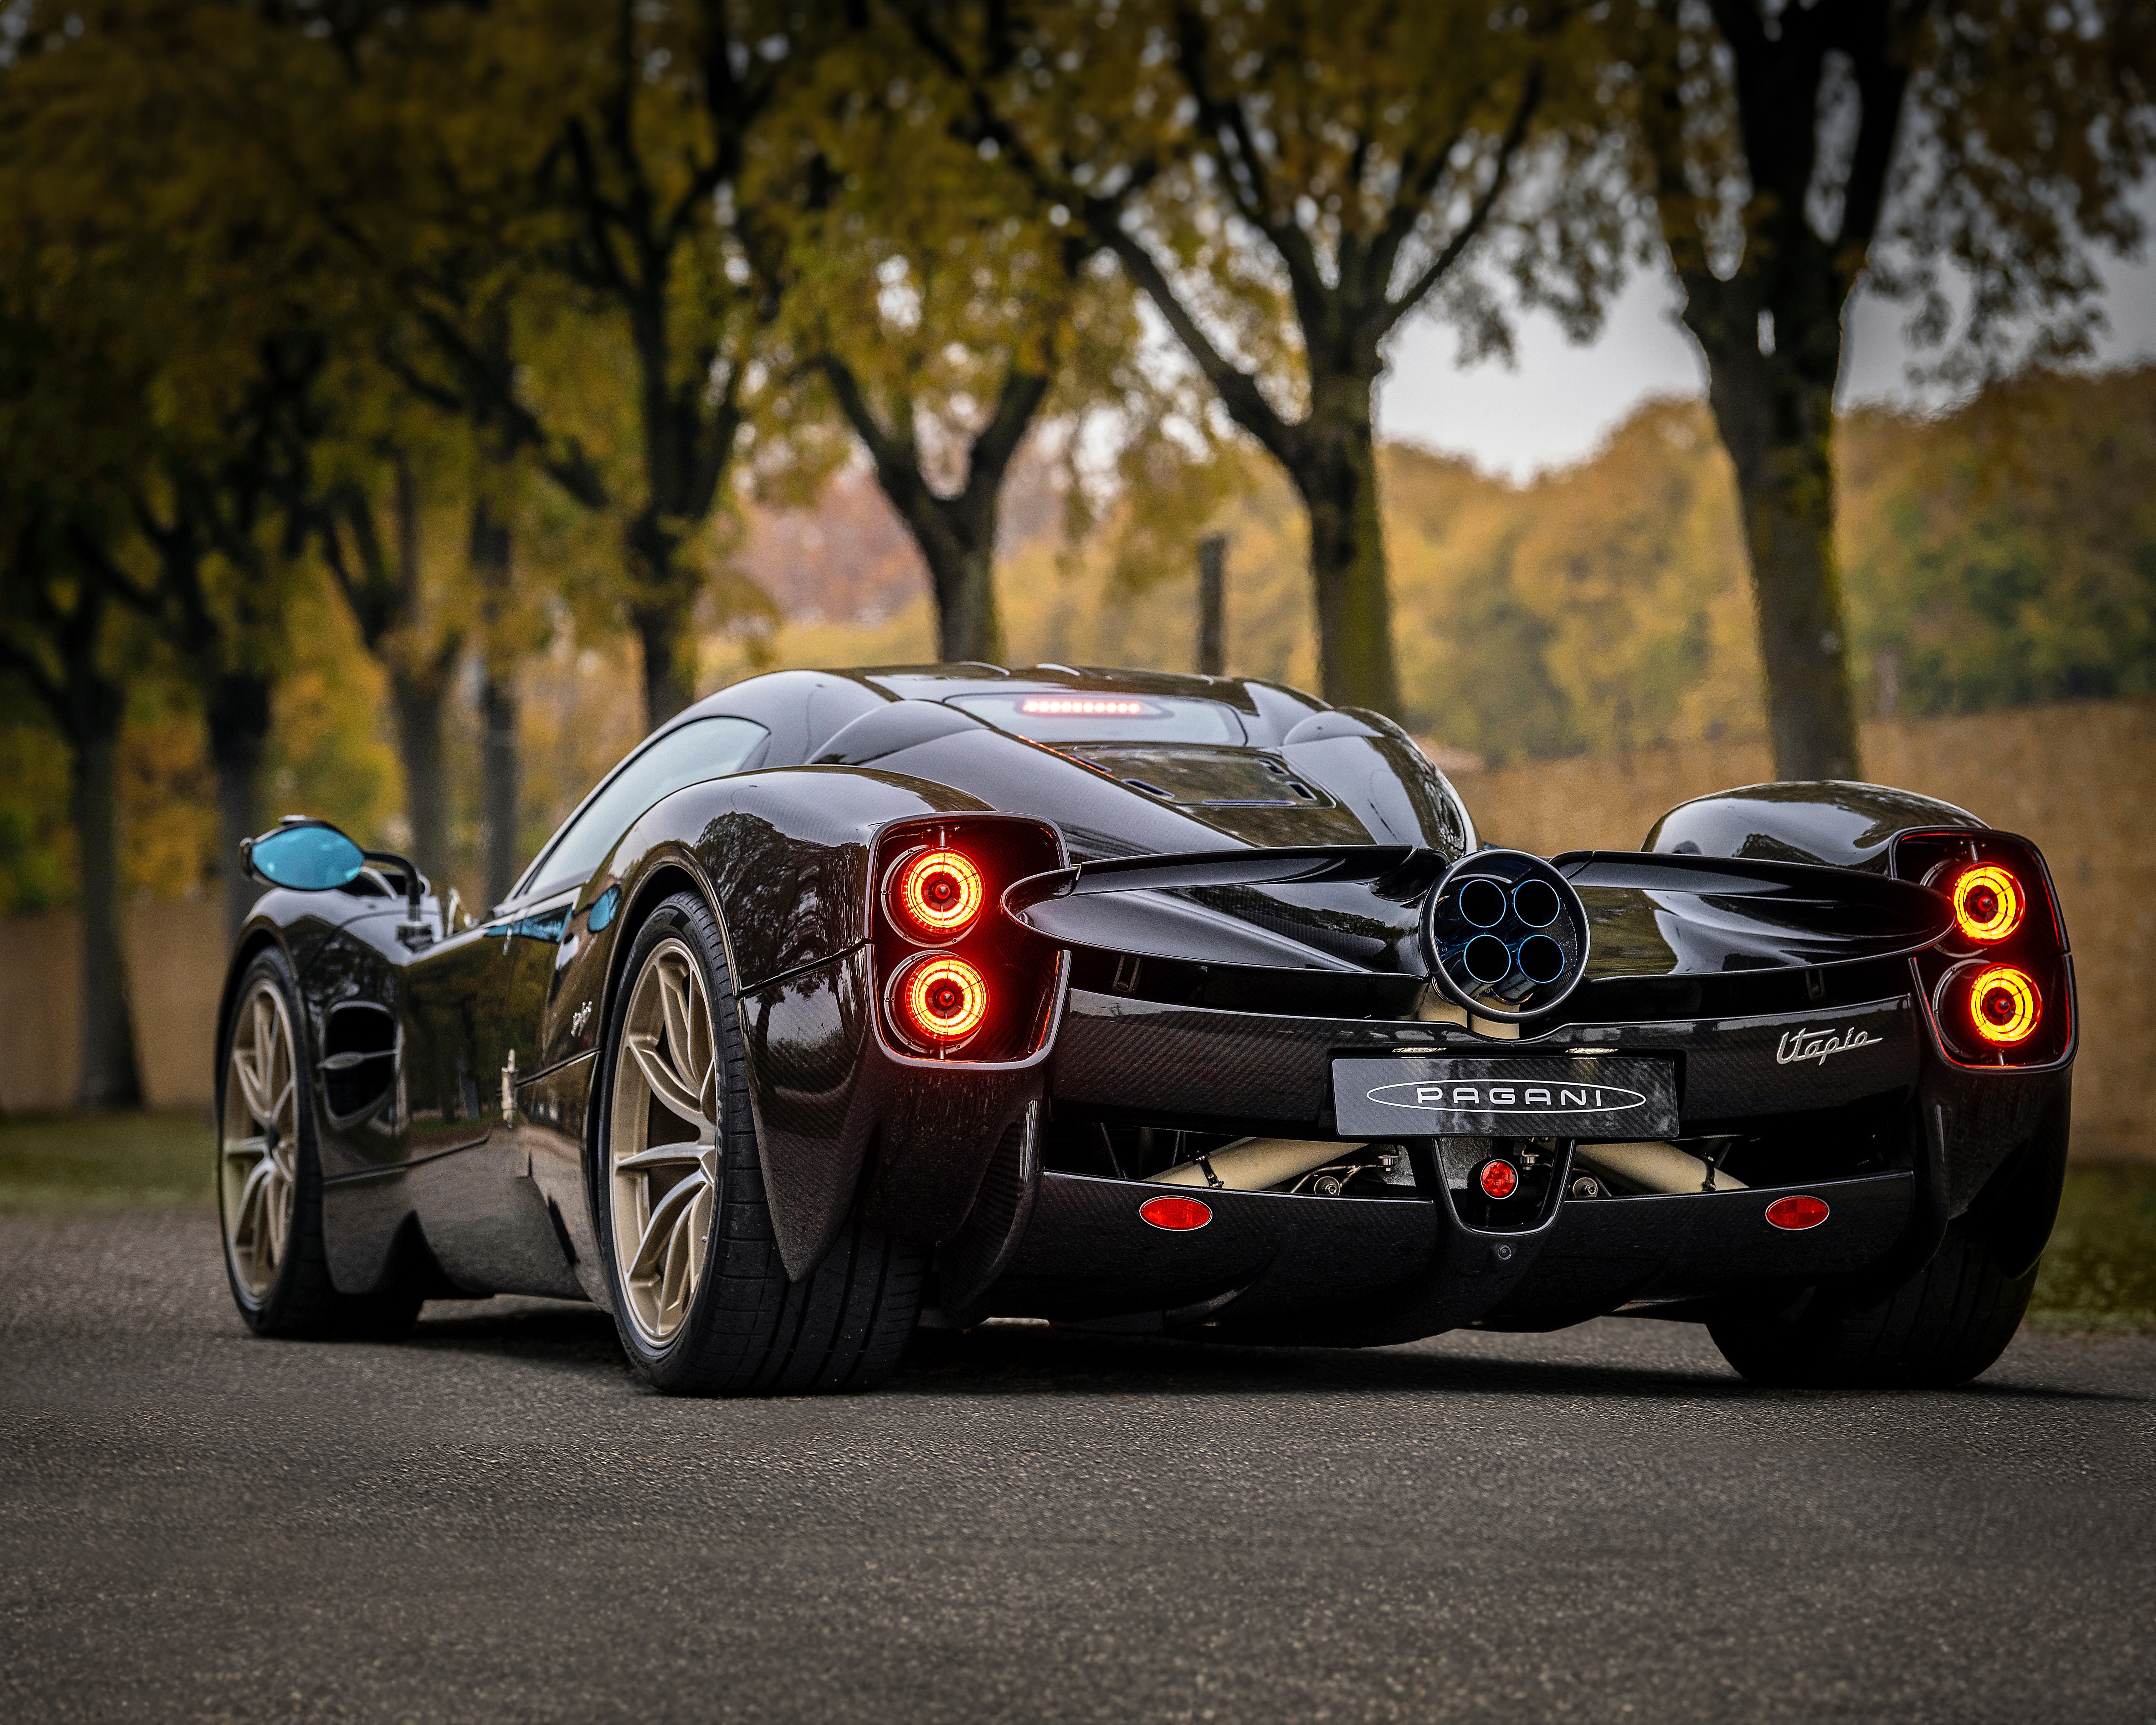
(1338, 479)
(109, 1076)
(1774, 405)
(420, 696)
(1804, 630)
(669, 664)
(967, 625)
(1213, 605)
(498, 711)
(497, 704)
(662, 613)
(238, 717)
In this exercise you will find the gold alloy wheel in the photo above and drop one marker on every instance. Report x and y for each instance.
(258, 1140)
(662, 1146)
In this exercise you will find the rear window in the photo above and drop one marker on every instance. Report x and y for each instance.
(1054, 716)
(702, 749)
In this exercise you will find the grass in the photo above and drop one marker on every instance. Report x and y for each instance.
(2099, 1270)
(63, 1161)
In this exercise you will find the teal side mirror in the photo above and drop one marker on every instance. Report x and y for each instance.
(307, 855)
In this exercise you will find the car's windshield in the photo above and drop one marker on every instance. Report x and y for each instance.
(702, 749)
(1054, 716)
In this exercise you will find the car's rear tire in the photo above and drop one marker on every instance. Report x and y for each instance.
(701, 1298)
(1942, 1326)
(269, 1175)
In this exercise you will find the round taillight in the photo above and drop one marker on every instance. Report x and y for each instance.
(2003, 1006)
(937, 894)
(942, 1000)
(1177, 1215)
(1988, 903)
(1797, 1213)
(1498, 1178)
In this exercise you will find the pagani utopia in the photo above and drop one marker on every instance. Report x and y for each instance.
(855, 1003)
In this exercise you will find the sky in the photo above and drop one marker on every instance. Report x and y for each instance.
(1560, 401)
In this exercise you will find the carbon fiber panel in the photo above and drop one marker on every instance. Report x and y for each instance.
(1604, 1252)
(1146, 1057)
(1087, 1252)
(1143, 1056)
(806, 1038)
(981, 1250)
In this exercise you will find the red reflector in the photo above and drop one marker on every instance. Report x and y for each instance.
(1179, 1215)
(1797, 1213)
(1499, 1179)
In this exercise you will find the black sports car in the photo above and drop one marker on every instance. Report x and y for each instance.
(854, 1002)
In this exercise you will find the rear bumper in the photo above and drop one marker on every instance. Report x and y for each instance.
(1274, 1267)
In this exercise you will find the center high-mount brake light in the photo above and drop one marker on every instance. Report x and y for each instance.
(940, 1000)
(2003, 1006)
(1988, 903)
(1070, 706)
(937, 894)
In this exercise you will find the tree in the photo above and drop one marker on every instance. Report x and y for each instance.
(225, 516)
(66, 428)
(663, 233)
(1797, 153)
(613, 153)
(402, 623)
(945, 305)
(1286, 184)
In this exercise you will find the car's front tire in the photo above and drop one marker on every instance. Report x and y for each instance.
(269, 1175)
(1942, 1326)
(701, 1298)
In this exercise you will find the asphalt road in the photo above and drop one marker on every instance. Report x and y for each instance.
(493, 1521)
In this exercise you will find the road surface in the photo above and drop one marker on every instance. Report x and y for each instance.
(493, 1521)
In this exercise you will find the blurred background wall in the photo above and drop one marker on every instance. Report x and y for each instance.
(2074, 778)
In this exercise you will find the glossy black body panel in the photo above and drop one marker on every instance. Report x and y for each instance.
(1831, 822)
(459, 1075)
(1683, 916)
(1087, 1252)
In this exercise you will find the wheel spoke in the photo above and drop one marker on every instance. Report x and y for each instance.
(674, 1276)
(247, 1224)
(665, 1194)
(250, 1086)
(666, 1083)
(664, 1214)
(277, 1202)
(259, 1141)
(688, 1153)
(674, 1005)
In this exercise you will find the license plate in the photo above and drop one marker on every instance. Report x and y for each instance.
(1609, 1097)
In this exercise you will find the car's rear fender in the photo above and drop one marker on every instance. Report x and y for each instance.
(782, 857)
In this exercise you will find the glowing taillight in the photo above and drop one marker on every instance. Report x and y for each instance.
(1177, 1215)
(940, 1000)
(2003, 1006)
(1798, 1212)
(937, 894)
(1989, 903)
(1498, 1178)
